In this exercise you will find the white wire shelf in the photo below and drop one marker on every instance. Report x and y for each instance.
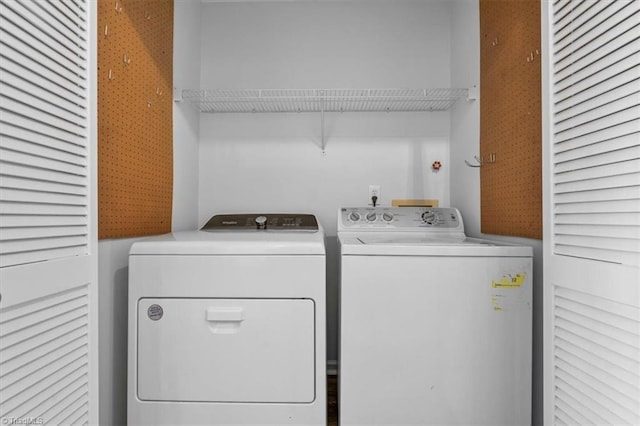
(323, 100)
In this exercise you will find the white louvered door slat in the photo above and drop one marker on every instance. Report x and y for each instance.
(591, 128)
(55, 153)
(48, 265)
(43, 102)
(582, 22)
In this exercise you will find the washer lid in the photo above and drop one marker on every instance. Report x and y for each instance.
(232, 243)
(424, 244)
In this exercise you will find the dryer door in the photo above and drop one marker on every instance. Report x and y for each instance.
(226, 350)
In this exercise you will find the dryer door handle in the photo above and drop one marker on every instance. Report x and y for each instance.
(225, 314)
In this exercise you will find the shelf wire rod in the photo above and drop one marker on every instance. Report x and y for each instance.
(322, 124)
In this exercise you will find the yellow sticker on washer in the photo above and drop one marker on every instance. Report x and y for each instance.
(509, 281)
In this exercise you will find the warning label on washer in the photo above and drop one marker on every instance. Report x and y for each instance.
(505, 294)
(509, 281)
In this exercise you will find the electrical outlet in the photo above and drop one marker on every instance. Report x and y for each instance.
(374, 191)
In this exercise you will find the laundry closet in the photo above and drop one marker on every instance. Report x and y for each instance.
(307, 124)
(313, 161)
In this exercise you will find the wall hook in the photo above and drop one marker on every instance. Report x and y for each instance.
(480, 161)
(106, 30)
(147, 15)
(118, 7)
(475, 157)
(158, 91)
(531, 56)
(111, 76)
(126, 59)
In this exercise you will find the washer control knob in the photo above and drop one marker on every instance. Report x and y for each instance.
(371, 216)
(261, 222)
(387, 217)
(354, 216)
(429, 217)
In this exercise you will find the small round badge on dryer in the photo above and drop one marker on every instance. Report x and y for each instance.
(155, 312)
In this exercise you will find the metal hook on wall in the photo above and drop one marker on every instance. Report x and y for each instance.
(531, 56)
(475, 157)
(480, 161)
(118, 7)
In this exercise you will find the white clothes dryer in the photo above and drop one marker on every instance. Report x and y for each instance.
(227, 324)
(435, 327)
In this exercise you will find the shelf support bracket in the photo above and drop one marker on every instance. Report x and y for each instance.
(177, 95)
(322, 141)
(472, 93)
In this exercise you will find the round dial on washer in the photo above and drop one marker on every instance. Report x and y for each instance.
(354, 216)
(387, 217)
(371, 217)
(429, 217)
(261, 222)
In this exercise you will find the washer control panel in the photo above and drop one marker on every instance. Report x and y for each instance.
(261, 222)
(395, 218)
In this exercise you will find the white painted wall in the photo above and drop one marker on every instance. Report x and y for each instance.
(113, 258)
(186, 118)
(465, 181)
(272, 162)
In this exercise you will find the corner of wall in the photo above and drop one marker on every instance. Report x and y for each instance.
(465, 182)
(186, 130)
(465, 116)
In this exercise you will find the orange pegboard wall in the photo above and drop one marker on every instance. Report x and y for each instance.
(135, 117)
(510, 118)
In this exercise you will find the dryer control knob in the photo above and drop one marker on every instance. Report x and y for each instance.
(387, 217)
(371, 217)
(354, 216)
(261, 222)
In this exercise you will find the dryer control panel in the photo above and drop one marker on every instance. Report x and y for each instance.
(399, 218)
(262, 222)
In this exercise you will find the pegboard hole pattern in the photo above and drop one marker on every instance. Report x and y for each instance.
(510, 118)
(135, 117)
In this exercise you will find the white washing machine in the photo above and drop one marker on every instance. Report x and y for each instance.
(435, 327)
(227, 324)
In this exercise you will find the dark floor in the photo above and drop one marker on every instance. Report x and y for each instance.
(332, 400)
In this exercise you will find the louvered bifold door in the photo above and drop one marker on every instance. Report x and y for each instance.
(47, 214)
(592, 223)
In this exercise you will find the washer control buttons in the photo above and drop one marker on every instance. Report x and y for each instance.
(371, 216)
(387, 217)
(354, 216)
